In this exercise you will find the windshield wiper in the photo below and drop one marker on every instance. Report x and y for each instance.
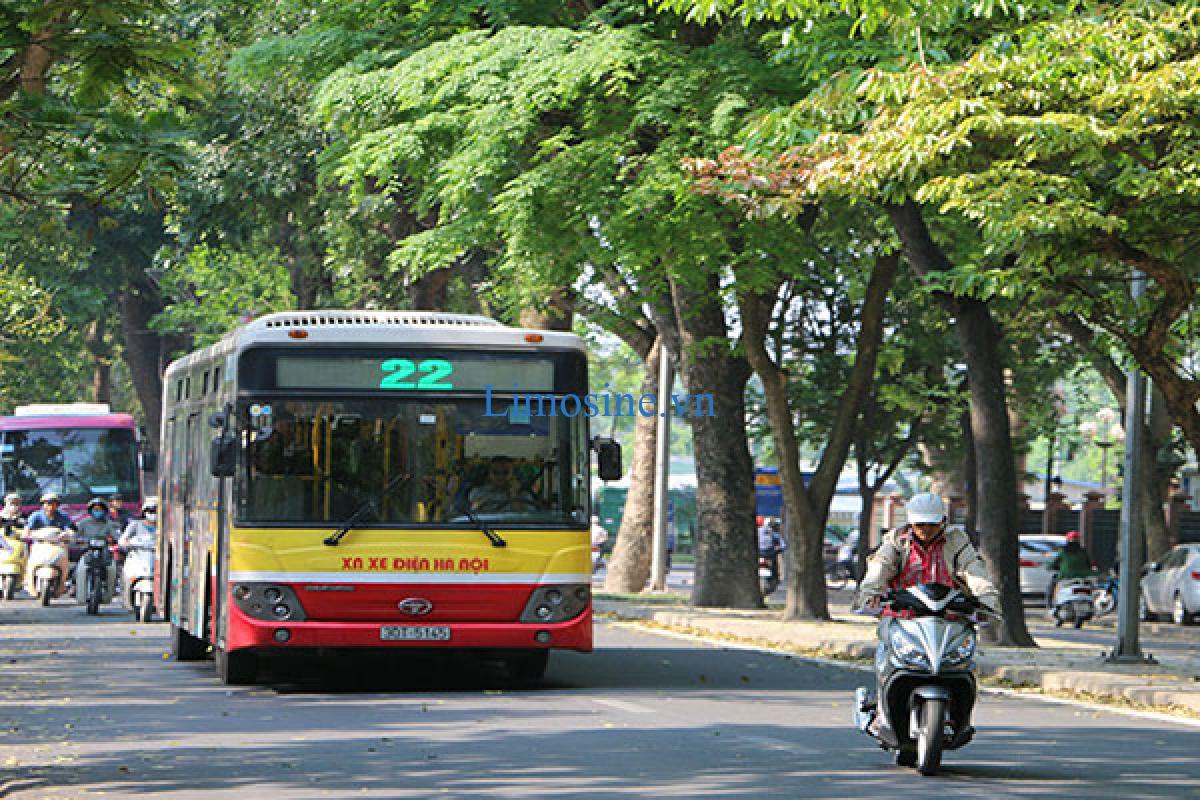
(492, 536)
(362, 510)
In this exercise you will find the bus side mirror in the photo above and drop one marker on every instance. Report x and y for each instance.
(149, 461)
(223, 456)
(608, 458)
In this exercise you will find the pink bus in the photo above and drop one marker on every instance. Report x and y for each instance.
(80, 450)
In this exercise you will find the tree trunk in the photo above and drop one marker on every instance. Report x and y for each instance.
(995, 469)
(1156, 435)
(147, 353)
(430, 291)
(970, 481)
(629, 567)
(95, 341)
(808, 507)
(557, 315)
(726, 543)
(866, 526)
(1156, 480)
(299, 268)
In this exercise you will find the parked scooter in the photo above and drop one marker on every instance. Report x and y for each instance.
(137, 580)
(1073, 601)
(46, 567)
(12, 561)
(95, 575)
(768, 579)
(925, 680)
(1106, 594)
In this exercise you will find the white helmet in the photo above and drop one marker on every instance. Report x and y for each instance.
(925, 508)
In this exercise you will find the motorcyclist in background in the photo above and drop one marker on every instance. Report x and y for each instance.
(1070, 563)
(142, 532)
(97, 523)
(923, 551)
(49, 516)
(10, 515)
(769, 545)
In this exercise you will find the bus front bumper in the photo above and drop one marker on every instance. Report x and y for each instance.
(247, 632)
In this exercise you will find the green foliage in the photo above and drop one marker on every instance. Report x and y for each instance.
(216, 290)
(549, 147)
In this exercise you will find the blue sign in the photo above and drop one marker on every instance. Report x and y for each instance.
(768, 491)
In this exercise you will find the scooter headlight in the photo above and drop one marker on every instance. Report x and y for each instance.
(907, 650)
(964, 651)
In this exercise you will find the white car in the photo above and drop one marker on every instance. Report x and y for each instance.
(1036, 552)
(1172, 586)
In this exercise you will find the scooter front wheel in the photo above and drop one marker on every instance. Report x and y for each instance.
(44, 592)
(930, 737)
(10, 587)
(93, 599)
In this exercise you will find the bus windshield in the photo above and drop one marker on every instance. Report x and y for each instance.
(319, 461)
(78, 463)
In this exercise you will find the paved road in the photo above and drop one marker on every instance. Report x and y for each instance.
(91, 707)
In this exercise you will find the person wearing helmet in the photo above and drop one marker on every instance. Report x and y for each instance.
(1070, 563)
(49, 515)
(97, 522)
(923, 551)
(142, 532)
(10, 515)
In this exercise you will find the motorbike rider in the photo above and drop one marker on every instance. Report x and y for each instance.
(96, 524)
(49, 515)
(599, 539)
(1072, 562)
(925, 550)
(769, 547)
(120, 514)
(142, 532)
(10, 515)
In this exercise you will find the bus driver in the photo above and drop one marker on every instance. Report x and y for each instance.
(501, 491)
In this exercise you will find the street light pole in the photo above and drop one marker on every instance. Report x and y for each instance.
(1104, 444)
(662, 473)
(1128, 648)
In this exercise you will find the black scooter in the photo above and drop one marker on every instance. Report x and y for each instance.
(95, 567)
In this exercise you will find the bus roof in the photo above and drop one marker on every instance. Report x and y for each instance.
(30, 422)
(403, 328)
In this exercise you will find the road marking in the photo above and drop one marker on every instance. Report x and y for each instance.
(622, 705)
(1128, 712)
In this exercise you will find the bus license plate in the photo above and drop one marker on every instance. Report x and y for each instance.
(415, 633)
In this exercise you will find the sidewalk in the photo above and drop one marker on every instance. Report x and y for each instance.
(1061, 666)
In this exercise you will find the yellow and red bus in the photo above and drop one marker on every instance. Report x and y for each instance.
(367, 479)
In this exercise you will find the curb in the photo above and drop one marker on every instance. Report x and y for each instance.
(1164, 691)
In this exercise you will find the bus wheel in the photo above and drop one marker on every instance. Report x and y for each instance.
(238, 668)
(529, 666)
(185, 647)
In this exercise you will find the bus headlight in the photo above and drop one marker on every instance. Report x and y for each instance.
(557, 603)
(268, 601)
